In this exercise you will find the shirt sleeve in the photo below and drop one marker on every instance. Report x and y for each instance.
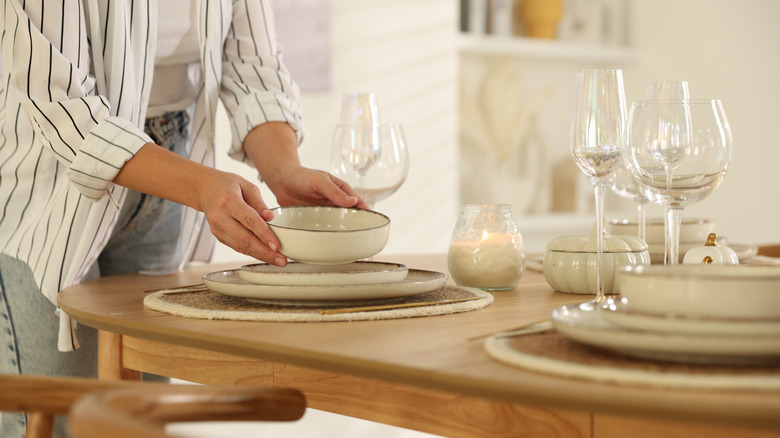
(256, 86)
(46, 48)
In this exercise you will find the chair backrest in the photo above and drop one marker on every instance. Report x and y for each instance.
(133, 409)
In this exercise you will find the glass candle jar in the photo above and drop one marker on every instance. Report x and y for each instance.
(486, 250)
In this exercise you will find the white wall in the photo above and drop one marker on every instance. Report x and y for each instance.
(404, 51)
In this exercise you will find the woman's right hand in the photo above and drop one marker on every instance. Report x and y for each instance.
(238, 216)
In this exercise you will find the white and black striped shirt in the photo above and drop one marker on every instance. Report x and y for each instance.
(75, 87)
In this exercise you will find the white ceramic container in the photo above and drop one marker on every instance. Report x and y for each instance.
(714, 291)
(570, 262)
(324, 235)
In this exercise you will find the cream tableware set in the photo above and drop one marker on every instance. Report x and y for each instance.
(327, 246)
(686, 313)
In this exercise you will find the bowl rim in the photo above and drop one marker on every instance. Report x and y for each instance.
(334, 207)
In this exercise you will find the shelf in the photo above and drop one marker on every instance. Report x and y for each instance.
(545, 49)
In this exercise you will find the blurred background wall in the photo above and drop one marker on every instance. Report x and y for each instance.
(426, 73)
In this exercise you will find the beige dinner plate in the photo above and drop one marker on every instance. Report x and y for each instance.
(417, 281)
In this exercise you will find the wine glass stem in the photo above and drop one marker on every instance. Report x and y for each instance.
(598, 189)
(672, 226)
(641, 221)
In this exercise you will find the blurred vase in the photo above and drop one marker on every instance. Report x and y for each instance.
(541, 17)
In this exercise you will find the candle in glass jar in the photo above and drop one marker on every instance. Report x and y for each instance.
(495, 262)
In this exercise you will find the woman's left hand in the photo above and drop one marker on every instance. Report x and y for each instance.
(272, 147)
(299, 185)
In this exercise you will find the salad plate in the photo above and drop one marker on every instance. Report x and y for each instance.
(417, 281)
(303, 274)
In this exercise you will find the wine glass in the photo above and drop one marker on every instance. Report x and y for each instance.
(668, 90)
(678, 151)
(622, 184)
(359, 107)
(373, 158)
(596, 138)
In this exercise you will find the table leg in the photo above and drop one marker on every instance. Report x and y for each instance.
(110, 364)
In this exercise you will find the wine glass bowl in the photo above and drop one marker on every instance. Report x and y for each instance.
(373, 158)
(695, 139)
(359, 107)
(622, 183)
(357, 144)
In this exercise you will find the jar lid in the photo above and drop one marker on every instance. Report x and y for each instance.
(587, 243)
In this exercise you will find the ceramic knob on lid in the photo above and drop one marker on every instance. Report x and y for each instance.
(711, 253)
(570, 262)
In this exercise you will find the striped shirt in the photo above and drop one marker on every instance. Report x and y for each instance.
(76, 81)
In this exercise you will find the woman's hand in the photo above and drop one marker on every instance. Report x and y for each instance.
(238, 216)
(298, 185)
(233, 206)
(273, 149)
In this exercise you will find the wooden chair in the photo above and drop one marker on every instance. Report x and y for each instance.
(133, 409)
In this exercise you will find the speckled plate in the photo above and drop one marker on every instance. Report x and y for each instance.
(302, 274)
(416, 282)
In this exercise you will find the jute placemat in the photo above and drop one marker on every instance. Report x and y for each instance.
(551, 353)
(212, 305)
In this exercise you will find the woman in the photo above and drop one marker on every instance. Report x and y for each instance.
(107, 151)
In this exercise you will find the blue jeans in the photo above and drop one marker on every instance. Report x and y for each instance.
(146, 239)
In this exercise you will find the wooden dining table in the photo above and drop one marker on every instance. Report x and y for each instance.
(430, 374)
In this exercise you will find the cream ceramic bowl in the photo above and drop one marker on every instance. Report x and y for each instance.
(324, 235)
(570, 262)
(714, 291)
(693, 231)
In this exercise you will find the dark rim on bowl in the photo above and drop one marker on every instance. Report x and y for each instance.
(301, 207)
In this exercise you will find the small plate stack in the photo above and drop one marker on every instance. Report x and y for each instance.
(685, 313)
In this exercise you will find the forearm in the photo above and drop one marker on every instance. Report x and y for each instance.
(273, 149)
(159, 172)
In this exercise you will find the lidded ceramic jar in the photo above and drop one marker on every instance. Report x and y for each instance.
(570, 262)
(486, 250)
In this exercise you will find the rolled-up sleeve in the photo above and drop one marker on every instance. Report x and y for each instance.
(103, 153)
(256, 86)
(46, 48)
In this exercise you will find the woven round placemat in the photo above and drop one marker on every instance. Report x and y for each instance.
(212, 305)
(549, 352)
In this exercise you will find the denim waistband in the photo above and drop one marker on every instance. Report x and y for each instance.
(161, 127)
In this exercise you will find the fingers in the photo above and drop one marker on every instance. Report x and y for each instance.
(248, 234)
(239, 220)
(342, 194)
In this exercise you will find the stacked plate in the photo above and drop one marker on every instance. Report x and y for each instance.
(307, 284)
(685, 313)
